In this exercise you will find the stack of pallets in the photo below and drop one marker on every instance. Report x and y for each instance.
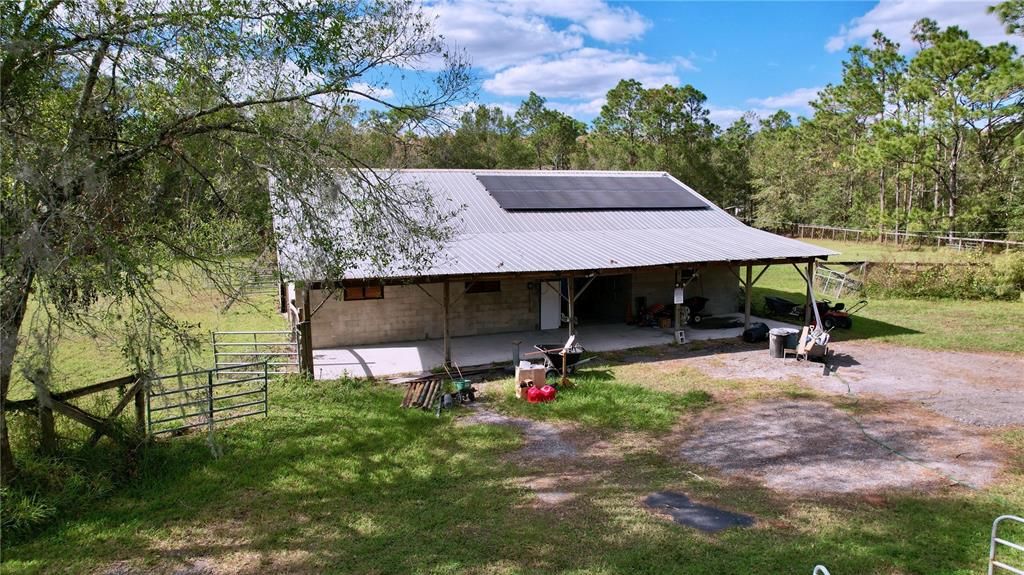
(423, 394)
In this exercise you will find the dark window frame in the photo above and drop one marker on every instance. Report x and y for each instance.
(483, 286)
(358, 293)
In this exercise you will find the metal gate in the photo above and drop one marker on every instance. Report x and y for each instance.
(994, 562)
(232, 350)
(203, 398)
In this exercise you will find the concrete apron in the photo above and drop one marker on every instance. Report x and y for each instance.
(415, 357)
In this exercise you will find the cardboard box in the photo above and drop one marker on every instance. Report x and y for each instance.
(534, 373)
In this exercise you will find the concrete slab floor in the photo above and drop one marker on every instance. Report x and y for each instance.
(413, 357)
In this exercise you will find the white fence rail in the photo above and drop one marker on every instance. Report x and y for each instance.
(961, 242)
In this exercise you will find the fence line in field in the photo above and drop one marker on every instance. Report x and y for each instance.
(958, 242)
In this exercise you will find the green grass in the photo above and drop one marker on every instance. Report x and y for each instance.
(876, 252)
(338, 479)
(943, 324)
(598, 399)
(80, 359)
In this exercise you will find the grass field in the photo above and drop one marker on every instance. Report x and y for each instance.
(81, 359)
(339, 480)
(944, 324)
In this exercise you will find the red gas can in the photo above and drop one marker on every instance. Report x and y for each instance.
(534, 394)
(548, 393)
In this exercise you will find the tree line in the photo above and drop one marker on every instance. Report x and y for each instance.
(927, 143)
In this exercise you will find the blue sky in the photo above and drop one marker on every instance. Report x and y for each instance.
(757, 56)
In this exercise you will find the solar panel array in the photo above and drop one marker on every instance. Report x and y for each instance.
(515, 193)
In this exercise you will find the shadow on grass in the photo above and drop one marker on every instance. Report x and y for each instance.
(339, 479)
(863, 327)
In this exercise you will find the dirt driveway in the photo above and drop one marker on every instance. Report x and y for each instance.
(974, 388)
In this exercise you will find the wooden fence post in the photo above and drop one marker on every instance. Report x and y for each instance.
(140, 406)
(305, 348)
(48, 435)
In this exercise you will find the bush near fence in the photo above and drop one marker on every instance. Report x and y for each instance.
(999, 278)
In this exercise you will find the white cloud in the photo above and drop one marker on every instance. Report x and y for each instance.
(500, 33)
(895, 18)
(378, 92)
(595, 18)
(495, 39)
(586, 109)
(796, 99)
(724, 117)
(587, 73)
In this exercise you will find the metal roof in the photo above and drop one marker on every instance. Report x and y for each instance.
(490, 240)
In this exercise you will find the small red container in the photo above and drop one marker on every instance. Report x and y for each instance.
(548, 393)
(534, 394)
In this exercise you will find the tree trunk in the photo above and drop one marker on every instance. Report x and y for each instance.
(13, 302)
(881, 205)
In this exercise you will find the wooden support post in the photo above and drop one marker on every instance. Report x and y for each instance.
(140, 407)
(748, 286)
(48, 435)
(445, 328)
(808, 309)
(305, 348)
(572, 304)
(307, 306)
(678, 323)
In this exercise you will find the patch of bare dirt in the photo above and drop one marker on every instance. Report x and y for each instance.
(813, 447)
(543, 440)
(975, 388)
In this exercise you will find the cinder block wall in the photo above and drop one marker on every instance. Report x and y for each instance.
(715, 283)
(656, 285)
(406, 313)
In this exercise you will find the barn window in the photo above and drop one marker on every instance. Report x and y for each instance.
(357, 293)
(483, 287)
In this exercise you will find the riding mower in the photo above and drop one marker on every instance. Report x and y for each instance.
(832, 315)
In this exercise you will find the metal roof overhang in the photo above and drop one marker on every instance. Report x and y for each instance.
(439, 278)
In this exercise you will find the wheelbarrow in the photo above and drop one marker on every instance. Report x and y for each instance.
(553, 358)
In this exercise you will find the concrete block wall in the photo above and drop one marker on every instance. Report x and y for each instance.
(715, 283)
(406, 313)
(514, 308)
(656, 285)
(720, 287)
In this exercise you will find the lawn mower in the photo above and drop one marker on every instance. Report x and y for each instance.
(832, 315)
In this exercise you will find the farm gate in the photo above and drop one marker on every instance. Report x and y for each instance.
(205, 397)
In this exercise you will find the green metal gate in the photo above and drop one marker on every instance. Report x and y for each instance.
(203, 398)
(232, 350)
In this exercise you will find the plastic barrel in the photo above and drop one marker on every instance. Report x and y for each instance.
(792, 337)
(777, 342)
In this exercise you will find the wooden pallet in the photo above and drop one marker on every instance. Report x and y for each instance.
(423, 394)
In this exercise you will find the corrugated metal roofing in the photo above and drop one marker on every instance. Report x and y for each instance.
(491, 240)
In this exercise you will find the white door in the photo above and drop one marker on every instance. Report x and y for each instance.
(550, 305)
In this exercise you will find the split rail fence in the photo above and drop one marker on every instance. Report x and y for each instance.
(163, 404)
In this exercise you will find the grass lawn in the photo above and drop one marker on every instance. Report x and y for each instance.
(339, 479)
(80, 359)
(876, 252)
(944, 324)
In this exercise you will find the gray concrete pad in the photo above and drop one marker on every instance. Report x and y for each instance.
(413, 357)
(703, 517)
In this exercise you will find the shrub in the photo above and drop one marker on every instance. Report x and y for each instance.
(1001, 277)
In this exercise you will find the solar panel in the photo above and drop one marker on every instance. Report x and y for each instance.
(589, 193)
